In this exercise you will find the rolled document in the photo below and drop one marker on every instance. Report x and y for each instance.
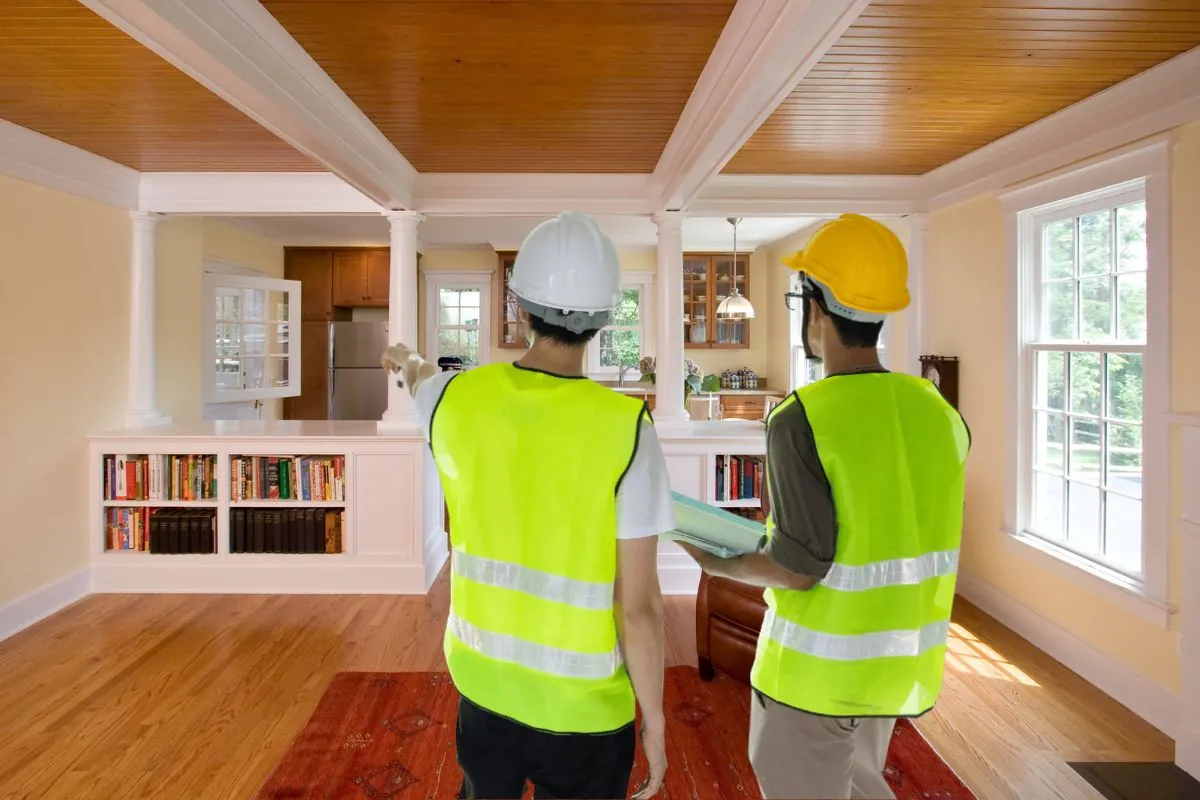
(714, 529)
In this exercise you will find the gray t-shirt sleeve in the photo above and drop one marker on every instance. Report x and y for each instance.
(799, 497)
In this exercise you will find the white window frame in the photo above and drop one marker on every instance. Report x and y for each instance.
(480, 280)
(644, 283)
(1140, 172)
(219, 275)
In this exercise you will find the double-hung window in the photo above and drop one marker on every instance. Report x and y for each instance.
(626, 339)
(1090, 313)
(457, 319)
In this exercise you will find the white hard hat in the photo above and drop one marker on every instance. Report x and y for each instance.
(568, 264)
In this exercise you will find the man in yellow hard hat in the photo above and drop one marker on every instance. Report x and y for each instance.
(865, 473)
(558, 490)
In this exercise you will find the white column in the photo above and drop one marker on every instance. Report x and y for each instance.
(401, 414)
(669, 411)
(1187, 733)
(142, 407)
(914, 335)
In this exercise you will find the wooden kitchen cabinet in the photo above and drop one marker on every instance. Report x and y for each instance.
(707, 280)
(314, 270)
(507, 309)
(361, 277)
(743, 406)
(313, 400)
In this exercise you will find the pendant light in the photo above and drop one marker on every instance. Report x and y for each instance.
(735, 306)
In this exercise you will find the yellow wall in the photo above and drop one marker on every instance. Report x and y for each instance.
(967, 282)
(182, 245)
(65, 374)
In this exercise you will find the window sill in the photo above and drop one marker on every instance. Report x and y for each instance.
(1109, 584)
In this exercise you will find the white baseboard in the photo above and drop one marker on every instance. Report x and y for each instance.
(34, 607)
(437, 553)
(1148, 700)
(678, 574)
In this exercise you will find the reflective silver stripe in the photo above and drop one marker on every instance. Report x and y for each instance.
(896, 572)
(581, 594)
(836, 647)
(540, 657)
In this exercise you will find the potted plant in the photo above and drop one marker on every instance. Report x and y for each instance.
(693, 376)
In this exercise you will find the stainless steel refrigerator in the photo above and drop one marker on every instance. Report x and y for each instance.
(357, 382)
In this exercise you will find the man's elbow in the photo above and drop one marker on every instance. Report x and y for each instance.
(798, 582)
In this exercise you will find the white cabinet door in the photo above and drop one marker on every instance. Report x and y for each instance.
(387, 505)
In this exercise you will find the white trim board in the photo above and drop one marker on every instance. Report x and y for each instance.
(1153, 703)
(30, 156)
(43, 602)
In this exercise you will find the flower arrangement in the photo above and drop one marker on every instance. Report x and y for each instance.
(693, 376)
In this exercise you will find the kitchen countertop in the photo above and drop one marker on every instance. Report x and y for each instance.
(638, 388)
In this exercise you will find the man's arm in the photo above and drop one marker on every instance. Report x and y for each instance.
(801, 549)
(408, 364)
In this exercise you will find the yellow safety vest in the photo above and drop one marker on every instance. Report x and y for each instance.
(870, 638)
(530, 464)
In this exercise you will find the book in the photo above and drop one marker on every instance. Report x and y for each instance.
(714, 529)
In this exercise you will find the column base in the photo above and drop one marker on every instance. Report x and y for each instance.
(146, 419)
(406, 424)
(676, 424)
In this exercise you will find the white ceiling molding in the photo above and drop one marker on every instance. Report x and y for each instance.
(32, 157)
(228, 193)
(765, 49)
(1161, 98)
(806, 195)
(472, 194)
(240, 52)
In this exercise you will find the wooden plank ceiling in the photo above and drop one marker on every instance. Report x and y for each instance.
(502, 86)
(914, 84)
(69, 74)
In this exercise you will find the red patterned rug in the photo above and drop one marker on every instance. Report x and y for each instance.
(390, 736)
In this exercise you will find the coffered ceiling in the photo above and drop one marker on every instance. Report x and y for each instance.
(69, 74)
(914, 84)
(659, 92)
(594, 86)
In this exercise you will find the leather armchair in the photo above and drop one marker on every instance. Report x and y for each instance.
(729, 615)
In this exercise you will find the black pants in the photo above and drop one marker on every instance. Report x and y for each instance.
(498, 756)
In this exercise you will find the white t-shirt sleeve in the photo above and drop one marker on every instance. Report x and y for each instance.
(429, 393)
(644, 506)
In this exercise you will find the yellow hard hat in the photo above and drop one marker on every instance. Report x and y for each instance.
(860, 261)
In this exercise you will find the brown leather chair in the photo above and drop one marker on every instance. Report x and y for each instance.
(728, 617)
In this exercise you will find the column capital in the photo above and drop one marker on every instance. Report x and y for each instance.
(668, 220)
(146, 218)
(404, 219)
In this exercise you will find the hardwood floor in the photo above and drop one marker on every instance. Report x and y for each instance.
(197, 697)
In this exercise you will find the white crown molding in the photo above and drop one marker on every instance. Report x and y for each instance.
(224, 193)
(498, 194)
(1161, 98)
(247, 225)
(805, 195)
(31, 156)
(242, 53)
(765, 49)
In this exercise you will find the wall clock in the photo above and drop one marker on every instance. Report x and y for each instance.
(942, 372)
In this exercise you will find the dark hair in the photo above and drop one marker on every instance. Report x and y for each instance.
(560, 335)
(850, 332)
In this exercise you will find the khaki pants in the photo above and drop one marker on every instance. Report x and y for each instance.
(801, 755)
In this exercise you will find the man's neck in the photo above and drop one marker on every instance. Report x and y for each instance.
(852, 359)
(548, 357)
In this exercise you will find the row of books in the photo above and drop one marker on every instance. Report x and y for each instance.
(162, 530)
(740, 477)
(755, 513)
(285, 530)
(320, 478)
(160, 477)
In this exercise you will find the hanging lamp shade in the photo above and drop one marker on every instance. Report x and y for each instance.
(736, 305)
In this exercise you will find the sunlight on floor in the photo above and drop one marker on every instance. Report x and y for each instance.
(966, 654)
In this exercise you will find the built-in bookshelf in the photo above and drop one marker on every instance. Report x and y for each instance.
(280, 480)
(738, 481)
(159, 478)
(290, 530)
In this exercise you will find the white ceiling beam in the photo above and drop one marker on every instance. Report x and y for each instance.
(473, 194)
(766, 48)
(37, 158)
(265, 193)
(241, 53)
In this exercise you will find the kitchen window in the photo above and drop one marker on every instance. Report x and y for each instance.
(457, 309)
(625, 340)
(251, 348)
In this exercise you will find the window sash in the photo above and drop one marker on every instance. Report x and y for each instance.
(642, 285)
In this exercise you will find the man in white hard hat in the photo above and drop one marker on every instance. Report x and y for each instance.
(558, 490)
